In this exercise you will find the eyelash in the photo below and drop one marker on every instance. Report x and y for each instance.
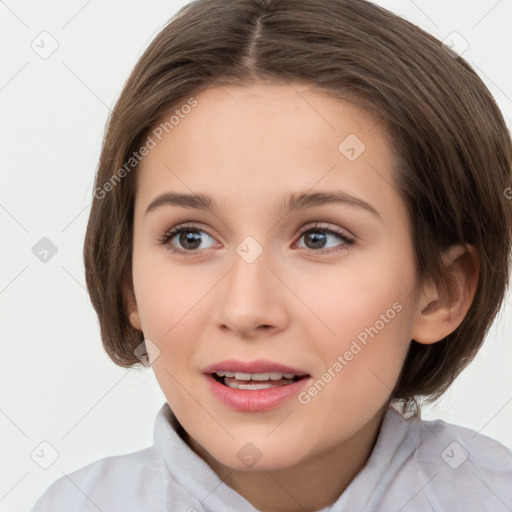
(169, 235)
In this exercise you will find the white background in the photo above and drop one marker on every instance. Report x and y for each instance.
(56, 383)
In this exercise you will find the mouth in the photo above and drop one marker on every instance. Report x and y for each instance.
(254, 386)
(255, 392)
(255, 381)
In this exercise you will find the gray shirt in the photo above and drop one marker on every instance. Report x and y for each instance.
(416, 466)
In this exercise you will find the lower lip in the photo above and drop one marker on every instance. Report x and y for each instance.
(255, 400)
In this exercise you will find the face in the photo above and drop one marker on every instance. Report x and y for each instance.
(326, 289)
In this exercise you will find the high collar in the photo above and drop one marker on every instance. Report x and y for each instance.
(190, 470)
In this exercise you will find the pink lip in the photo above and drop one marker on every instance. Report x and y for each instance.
(257, 366)
(255, 400)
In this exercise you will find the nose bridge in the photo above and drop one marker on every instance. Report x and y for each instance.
(249, 279)
(251, 297)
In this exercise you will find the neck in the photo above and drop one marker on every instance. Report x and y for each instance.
(313, 484)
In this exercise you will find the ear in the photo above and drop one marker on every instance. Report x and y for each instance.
(131, 306)
(442, 308)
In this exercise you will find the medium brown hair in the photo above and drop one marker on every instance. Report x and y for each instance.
(453, 150)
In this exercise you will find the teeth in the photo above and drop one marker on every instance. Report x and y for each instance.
(256, 376)
(254, 385)
(260, 376)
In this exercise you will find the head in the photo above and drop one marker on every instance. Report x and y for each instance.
(249, 102)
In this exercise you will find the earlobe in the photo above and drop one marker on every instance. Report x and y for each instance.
(132, 309)
(135, 320)
(442, 307)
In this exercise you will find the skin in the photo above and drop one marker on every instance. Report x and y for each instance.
(248, 148)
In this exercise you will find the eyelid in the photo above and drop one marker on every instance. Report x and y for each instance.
(322, 226)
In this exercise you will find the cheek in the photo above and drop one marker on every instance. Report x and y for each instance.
(349, 299)
(164, 297)
(168, 311)
(170, 320)
(366, 318)
(361, 364)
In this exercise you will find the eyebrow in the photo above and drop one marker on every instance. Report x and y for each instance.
(295, 201)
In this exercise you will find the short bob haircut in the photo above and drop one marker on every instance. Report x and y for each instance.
(452, 147)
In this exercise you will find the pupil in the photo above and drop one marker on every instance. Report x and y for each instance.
(189, 237)
(315, 236)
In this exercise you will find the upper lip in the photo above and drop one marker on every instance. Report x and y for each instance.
(256, 366)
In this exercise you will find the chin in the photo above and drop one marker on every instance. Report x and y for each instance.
(258, 456)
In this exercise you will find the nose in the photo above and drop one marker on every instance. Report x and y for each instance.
(252, 299)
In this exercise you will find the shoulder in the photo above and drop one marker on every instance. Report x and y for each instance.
(457, 468)
(120, 479)
(460, 445)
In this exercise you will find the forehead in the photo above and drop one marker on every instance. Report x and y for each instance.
(269, 139)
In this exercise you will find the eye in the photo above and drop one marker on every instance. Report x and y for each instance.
(190, 239)
(189, 236)
(317, 237)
